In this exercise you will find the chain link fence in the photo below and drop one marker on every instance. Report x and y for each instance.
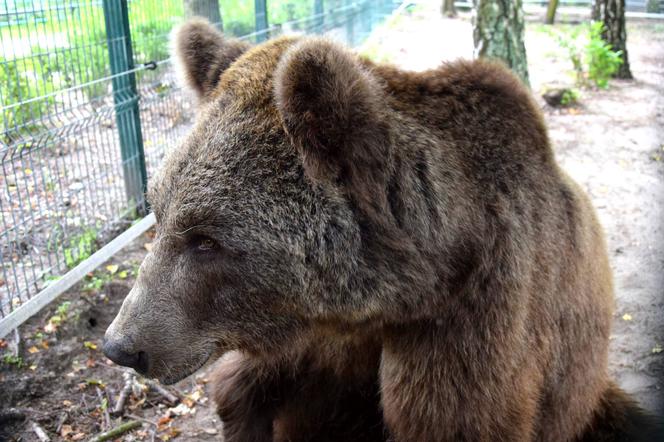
(89, 106)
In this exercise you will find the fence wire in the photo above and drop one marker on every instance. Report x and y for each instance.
(70, 175)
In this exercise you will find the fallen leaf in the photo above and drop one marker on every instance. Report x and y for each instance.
(112, 268)
(123, 274)
(27, 171)
(163, 421)
(210, 430)
(148, 246)
(66, 430)
(90, 345)
(44, 345)
(657, 349)
(78, 436)
(66, 403)
(33, 367)
(627, 317)
(33, 350)
(196, 395)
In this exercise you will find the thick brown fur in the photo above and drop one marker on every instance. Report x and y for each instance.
(389, 254)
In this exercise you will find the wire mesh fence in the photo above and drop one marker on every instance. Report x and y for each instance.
(90, 105)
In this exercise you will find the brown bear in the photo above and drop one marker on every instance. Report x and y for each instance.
(381, 255)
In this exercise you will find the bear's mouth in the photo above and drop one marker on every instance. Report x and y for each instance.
(172, 378)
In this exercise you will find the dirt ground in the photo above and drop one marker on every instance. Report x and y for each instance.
(612, 143)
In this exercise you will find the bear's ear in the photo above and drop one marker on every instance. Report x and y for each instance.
(201, 54)
(334, 112)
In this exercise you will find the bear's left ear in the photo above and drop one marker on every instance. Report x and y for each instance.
(334, 112)
(201, 54)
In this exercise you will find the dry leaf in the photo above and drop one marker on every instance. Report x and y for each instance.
(33, 350)
(627, 317)
(657, 349)
(78, 436)
(66, 430)
(112, 268)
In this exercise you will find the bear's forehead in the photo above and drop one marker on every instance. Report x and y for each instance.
(237, 154)
(249, 79)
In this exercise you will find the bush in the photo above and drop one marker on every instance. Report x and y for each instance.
(21, 82)
(592, 58)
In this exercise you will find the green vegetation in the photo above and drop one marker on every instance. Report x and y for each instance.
(592, 58)
(570, 97)
(11, 360)
(82, 246)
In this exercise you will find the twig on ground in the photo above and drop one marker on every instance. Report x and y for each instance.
(103, 404)
(39, 431)
(62, 418)
(124, 394)
(170, 397)
(142, 419)
(117, 431)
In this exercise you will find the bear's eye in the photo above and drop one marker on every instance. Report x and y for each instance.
(204, 243)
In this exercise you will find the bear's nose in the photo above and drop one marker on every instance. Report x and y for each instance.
(116, 352)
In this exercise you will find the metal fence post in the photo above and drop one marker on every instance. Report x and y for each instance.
(319, 10)
(125, 97)
(350, 24)
(261, 20)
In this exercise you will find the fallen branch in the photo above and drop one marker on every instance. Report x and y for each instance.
(39, 431)
(124, 394)
(104, 408)
(117, 431)
(170, 397)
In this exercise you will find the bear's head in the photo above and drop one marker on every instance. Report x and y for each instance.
(272, 215)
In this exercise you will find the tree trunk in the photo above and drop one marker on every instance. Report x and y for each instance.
(204, 8)
(498, 34)
(551, 12)
(612, 14)
(448, 9)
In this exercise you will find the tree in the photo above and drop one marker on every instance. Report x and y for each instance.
(612, 14)
(448, 9)
(204, 8)
(498, 34)
(551, 12)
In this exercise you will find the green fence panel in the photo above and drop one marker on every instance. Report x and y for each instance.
(261, 20)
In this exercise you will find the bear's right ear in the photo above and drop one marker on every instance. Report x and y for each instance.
(201, 54)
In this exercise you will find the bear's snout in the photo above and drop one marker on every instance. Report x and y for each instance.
(117, 351)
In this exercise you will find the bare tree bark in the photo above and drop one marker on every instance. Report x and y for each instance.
(612, 14)
(551, 12)
(448, 9)
(204, 8)
(498, 30)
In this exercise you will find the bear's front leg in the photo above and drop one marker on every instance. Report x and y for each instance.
(440, 386)
(242, 390)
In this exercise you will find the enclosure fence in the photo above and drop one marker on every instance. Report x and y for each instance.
(89, 106)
